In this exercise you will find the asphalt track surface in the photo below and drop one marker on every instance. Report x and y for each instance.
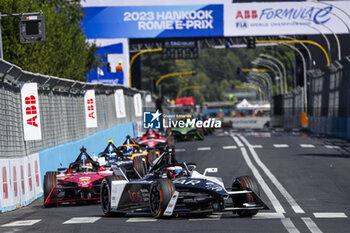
(303, 179)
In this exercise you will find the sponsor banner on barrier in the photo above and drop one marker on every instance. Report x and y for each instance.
(30, 111)
(138, 105)
(120, 103)
(20, 181)
(90, 109)
(5, 189)
(15, 178)
(285, 18)
(162, 21)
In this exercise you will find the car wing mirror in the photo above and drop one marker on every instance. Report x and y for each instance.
(210, 170)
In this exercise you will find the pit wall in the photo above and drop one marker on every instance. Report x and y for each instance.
(21, 178)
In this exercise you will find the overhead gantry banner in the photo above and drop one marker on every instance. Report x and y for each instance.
(106, 19)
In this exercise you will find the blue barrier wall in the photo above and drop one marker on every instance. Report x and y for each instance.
(52, 158)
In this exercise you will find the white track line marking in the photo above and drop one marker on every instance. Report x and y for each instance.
(203, 148)
(311, 225)
(141, 220)
(257, 146)
(274, 201)
(286, 195)
(280, 145)
(330, 215)
(229, 147)
(288, 224)
(238, 142)
(307, 146)
(331, 147)
(180, 150)
(203, 219)
(78, 220)
(21, 223)
(268, 215)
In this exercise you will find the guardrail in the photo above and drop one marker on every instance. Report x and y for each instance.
(328, 101)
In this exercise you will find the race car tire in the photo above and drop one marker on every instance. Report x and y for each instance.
(161, 191)
(199, 136)
(105, 196)
(50, 181)
(140, 166)
(171, 141)
(151, 156)
(245, 183)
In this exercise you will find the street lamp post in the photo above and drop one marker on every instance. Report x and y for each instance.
(306, 48)
(261, 62)
(263, 85)
(296, 42)
(335, 36)
(135, 56)
(283, 68)
(187, 88)
(267, 79)
(304, 72)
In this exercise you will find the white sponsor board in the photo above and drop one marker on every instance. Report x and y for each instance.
(30, 111)
(119, 103)
(20, 181)
(90, 109)
(138, 105)
(248, 122)
(285, 18)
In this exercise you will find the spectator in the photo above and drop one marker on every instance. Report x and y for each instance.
(119, 67)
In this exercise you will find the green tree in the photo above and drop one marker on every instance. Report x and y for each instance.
(65, 53)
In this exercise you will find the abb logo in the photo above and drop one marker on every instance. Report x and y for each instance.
(90, 108)
(247, 14)
(30, 103)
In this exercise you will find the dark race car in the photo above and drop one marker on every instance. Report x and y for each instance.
(129, 157)
(173, 189)
(154, 143)
(80, 182)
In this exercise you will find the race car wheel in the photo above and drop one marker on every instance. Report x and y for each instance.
(171, 141)
(140, 166)
(151, 156)
(50, 181)
(245, 183)
(161, 192)
(105, 196)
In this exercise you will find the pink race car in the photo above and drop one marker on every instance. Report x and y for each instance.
(80, 182)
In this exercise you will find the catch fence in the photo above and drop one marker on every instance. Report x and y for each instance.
(62, 111)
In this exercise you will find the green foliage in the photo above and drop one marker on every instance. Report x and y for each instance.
(65, 53)
(216, 70)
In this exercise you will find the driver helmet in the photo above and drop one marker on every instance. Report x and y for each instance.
(174, 171)
(87, 167)
(152, 136)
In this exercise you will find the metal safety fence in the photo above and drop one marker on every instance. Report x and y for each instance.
(328, 98)
(62, 112)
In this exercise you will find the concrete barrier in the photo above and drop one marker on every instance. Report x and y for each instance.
(21, 178)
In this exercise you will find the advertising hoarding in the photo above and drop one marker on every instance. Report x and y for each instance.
(285, 18)
(90, 109)
(153, 21)
(30, 111)
(181, 19)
